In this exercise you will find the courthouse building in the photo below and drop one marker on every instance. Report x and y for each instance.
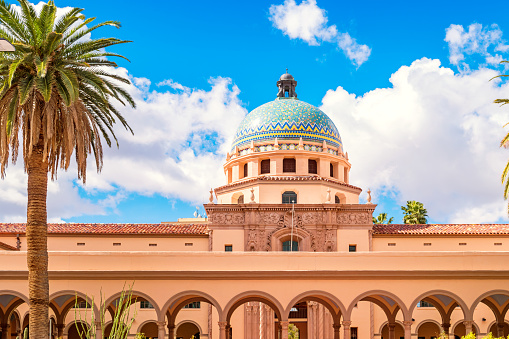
(285, 241)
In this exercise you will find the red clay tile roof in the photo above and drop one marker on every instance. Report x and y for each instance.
(72, 228)
(287, 178)
(441, 229)
(7, 247)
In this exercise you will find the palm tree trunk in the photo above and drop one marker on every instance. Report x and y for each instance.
(37, 252)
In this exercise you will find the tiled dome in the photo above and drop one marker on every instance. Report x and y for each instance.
(287, 119)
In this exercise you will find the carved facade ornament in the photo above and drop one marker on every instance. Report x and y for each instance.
(353, 218)
(270, 218)
(227, 218)
(285, 220)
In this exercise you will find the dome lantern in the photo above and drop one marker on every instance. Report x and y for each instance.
(286, 85)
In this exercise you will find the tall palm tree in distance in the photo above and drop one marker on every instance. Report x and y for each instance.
(55, 93)
(414, 213)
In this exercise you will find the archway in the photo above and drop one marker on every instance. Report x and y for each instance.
(315, 314)
(460, 329)
(184, 306)
(388, 303)
(498, 302)
(74, 329)
(10, 323)
(428, 329)
(399, 331)
(62, 302)
(149, 329)
(261, 311)
(188, 330)
(443, 306)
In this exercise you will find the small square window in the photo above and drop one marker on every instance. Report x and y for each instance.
(391, 244)
(80, 244)
(462, 243)
(352, 248)
(498, 244)
(189, 244)
(117, 244)
(152, 245)
(427, 244)
(228, 248)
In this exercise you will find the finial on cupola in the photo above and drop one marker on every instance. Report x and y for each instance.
(286, 85)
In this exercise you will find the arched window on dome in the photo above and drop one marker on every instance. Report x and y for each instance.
(289, 197)
(337, 200)
(289, 165)
(312, 166)
(240, 200)
(265, 166)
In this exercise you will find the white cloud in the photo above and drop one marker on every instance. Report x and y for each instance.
(433, 137)
(477, 40)
(308, 22)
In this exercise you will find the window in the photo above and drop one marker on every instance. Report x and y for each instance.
(423, 303)
(240, 200)
(427, 244)
(245, 170)
(498, 244)
(82, 304)
(194, 304)
(189, 244)
(336, 200)
(353, 333)
(312, 167)
(289, 197)
(352, 248)
(265, 166)
(152, 245)
(290, 246)
(117, 244)
(345, 174)
(80, 244)
(391, 244)
(289, 165)
(331, 170)
(462, 243)
(228, 248)
(145, 304)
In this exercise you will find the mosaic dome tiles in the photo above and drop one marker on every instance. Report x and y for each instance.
(287, 119)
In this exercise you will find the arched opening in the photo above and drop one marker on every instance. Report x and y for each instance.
(261, 315)
(75, 329)
(188, 330)
(149, 330)
(429, 330)
(492, 307)
(398, 330)
(240, 199)
(389, 307)
(316, 314)
(312, 166)
(10, 323)
(445, 307)
(244, 170)
(289, 165)
(192, 307)
(460, 330)
(331, 170)
(289, 197)
(337, 200)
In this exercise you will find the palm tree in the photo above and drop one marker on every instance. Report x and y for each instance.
(382, 219)
(414, 213)
(504, 143)
(55, 93)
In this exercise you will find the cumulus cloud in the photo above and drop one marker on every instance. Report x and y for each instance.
(433, 137)
(181, 136)
(308, 22)
(485, 42)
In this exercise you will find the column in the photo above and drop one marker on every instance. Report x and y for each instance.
(346, 329)
(408, 329)
(337, 327)
(392, 327)
(171, 331)
(60, 330)
(284, 329)
(446, 327)
(161, 333)
(98, 330)
(468, 326)
(5, 331)
(500, 329)
(222, 329)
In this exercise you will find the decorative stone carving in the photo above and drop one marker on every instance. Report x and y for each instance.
(310, 218)
(227, 218)
(270, 218)
(285, 220)
(252, 240)
(353, 218)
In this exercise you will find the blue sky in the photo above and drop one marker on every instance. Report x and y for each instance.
(407, 84)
